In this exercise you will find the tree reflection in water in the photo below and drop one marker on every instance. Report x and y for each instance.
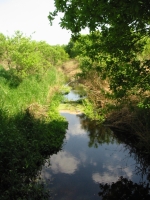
(125, 189)
(98, 134)
(143, 159)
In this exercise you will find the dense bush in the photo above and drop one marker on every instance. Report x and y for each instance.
(24, 145)
(27, 56)
(31, 129)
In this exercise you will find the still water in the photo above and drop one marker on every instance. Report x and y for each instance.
(90, 155)
(72, 95)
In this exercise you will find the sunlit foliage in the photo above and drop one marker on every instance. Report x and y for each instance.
(31, 129)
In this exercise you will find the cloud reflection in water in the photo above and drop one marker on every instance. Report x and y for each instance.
(64, 162)
(104, 178)
(111, 174)
(87, 165)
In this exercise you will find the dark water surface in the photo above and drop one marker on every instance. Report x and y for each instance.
(90, 155)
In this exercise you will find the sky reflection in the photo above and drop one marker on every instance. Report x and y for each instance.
(76, 171)
(64, 162)
(72, 96)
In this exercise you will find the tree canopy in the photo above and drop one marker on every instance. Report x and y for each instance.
(119, 31)
(26, 56)
(117, 20)
(100, 13)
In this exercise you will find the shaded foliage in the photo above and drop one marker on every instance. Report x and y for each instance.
(133, 129)
(25, 143)
(125, 189)
(10, 77)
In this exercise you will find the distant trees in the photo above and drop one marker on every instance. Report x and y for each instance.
(26, 56)
(2, 42)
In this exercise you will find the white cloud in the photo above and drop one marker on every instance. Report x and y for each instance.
(75, 129)
(104, 178)
(30, 16)
(64, 162)
(128, 172)
(111, 174)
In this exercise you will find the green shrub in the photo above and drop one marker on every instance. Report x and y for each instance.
(25, 143)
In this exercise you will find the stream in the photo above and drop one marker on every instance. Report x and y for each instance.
(90, 155)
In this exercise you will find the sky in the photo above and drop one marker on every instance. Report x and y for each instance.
(30, 17)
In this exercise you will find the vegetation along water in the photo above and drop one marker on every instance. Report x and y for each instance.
(110, 67)
(31, 128)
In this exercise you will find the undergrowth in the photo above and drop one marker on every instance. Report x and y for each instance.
(132, 125)
(31, 130)
(34, 88)
(25, 144)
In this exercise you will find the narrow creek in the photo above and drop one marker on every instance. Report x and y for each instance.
(90, 155)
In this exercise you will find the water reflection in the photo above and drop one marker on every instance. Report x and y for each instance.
(144, 163)
(125, 189)
(76, 172)
(104, 178)
(72, 96)
(98, 135)
(64, 162)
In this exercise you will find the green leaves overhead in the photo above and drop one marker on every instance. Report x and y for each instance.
(117, 43)
(101, 13)
(121, 23)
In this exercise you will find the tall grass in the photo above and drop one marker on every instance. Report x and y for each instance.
(27, 139)
(31, 129)
(32, 89)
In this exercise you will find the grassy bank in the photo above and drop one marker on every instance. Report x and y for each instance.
(25, 144)
(18, 95)
(31, 129)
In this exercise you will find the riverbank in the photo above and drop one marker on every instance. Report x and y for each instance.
(71, 107)
(31, 129)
